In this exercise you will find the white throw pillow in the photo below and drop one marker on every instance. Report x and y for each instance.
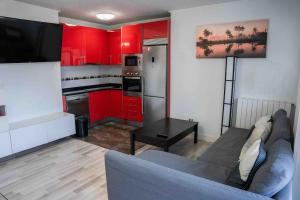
(260, 132)
(263, 120)
(248, 160)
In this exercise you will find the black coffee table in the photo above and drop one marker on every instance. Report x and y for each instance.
(163, 133)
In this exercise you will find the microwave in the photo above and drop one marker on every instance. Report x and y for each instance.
(133, 60)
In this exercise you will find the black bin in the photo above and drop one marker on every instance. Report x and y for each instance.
(82, 126)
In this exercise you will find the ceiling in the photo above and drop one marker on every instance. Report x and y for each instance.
(125, 10)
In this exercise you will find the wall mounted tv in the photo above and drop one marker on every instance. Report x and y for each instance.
(23, 41)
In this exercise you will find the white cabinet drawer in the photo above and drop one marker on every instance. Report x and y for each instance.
(28, 137)
(60, 128)
(5, 144)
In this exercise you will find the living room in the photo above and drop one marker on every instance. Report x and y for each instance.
(210, 102)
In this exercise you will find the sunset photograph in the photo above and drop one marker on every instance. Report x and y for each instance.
(246, 39)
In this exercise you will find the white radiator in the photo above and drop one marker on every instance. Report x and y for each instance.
(248, 111)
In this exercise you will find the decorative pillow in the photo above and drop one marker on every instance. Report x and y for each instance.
(276, 172)
(263, 121)
(251, 161)
(260, 132)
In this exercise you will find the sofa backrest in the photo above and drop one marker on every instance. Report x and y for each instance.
(281, 129)
(281, 135)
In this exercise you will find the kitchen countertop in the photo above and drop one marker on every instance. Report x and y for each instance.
(90, 88)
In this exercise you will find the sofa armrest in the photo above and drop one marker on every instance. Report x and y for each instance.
(131, 178)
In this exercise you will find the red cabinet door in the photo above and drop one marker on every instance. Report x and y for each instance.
(116, 103)
(158, 29)
(99, 105)
(93, 107)
(132, 108)
(131, 39)
(95, 46)
(104, 47)
(114, 44)
(72, 40)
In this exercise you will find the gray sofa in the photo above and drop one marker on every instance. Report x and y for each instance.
(157, 175)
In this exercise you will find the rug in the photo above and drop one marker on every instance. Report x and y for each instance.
(112, 136)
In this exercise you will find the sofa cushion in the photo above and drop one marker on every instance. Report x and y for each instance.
(252, 160)
(226, 150)
(281, 130)
(276, 172)
(194, 167)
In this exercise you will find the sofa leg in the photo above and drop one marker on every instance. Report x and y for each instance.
(195, 134)
(166, 149)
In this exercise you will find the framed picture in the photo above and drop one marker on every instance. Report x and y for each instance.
(247, 39)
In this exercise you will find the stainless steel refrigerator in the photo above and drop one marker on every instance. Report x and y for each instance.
(155, 82)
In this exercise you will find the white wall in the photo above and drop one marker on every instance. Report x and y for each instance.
(197, 84)
(296, 182)
(34, 89)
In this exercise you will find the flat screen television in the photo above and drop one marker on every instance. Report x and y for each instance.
(23, 41)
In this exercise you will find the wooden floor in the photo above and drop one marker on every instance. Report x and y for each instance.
(73, 169)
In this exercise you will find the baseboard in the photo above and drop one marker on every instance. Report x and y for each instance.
(207, 138)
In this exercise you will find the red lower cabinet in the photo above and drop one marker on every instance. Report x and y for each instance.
(64, 101)
(99, 105)
(132, 108)
(116, 97)
(111, 103)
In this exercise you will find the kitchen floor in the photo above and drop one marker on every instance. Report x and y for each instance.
(112, 135)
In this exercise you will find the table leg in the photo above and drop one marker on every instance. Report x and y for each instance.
(196, 134)
(166, 149)
(132, 143)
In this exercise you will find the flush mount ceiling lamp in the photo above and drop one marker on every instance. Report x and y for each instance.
(105, 16)
(68, 24)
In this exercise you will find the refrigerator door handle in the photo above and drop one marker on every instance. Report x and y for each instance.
(143, 93)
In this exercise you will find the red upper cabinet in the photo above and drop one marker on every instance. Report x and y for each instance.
(158, 29)
(84, 45)
(72, 46)
(104, 47)
(131, 39)
(95, 46)
(114, 45)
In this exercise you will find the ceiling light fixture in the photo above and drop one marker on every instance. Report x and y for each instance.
(68, 24)
(105, 16)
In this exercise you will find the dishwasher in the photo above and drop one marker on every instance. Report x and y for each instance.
(78, 104)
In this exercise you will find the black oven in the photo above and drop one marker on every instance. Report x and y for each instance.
(132, 84)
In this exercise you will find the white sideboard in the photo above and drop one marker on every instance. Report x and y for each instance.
(34, 132)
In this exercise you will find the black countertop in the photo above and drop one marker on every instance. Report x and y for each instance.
(91, 88)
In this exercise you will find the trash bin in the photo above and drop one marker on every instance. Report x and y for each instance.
(82, 126)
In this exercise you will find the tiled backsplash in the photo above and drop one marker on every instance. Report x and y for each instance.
(89, 77)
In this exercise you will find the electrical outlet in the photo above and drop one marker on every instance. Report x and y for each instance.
(191, 120)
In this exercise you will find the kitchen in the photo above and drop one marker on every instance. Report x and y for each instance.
(106, 74)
